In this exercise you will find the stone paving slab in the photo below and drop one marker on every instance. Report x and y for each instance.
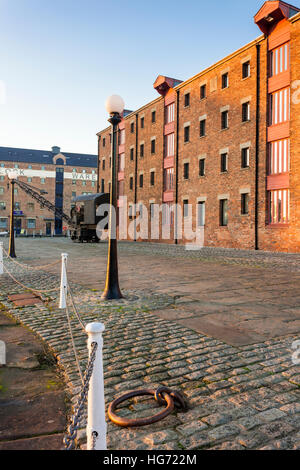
(241, 397)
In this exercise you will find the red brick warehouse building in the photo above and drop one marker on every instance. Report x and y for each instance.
(225, 141)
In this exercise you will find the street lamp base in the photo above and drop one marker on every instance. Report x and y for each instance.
(112, 293)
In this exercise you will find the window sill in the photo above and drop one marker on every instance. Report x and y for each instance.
(245, 122)
(202, 136)
(224, 172)
(245, 167)
(245, 78)
(271, 226)
(225, 129)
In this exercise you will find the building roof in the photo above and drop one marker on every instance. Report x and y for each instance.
(10, 154)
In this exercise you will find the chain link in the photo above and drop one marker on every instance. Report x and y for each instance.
(69, 439)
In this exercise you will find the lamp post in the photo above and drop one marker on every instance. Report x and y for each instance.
(114, 106)
(12, 175)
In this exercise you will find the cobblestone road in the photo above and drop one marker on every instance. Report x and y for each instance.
(243, 393)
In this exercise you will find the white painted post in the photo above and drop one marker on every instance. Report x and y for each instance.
(2, 353)
(63, 281)
(96, 403)
(1, 257)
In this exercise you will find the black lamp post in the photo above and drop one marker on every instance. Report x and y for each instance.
(11, 251)
(115, 107)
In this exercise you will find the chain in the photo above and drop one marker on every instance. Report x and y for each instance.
(29, 288)
(26, 266)
(73, 343)
(69, 439)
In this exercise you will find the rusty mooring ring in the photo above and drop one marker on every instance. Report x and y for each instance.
(162, 395)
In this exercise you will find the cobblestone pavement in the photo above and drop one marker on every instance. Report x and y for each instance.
(241, 396)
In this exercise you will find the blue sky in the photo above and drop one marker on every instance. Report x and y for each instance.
(60, 59)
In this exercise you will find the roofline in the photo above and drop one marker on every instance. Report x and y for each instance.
(195, 77)
(222, 61)
(48, 151)
(295, 17)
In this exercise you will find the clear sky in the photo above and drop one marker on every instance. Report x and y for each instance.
(60, 59)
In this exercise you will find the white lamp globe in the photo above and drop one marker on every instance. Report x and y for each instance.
(114, 104)
(12, 175)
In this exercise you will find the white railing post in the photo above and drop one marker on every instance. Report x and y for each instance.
(63, 281)
(96, 403)
(1, 257)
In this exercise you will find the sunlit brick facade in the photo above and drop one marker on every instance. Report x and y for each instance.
(225, 141)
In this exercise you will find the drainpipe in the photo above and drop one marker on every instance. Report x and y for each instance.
(136, 165)
(257, 145)
(98, 164)
(176, 164)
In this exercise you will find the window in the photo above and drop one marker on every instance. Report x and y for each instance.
(169, 179)
(42, 180)
(1, 190)
(202, 167)
(73, 182)
(73, 194)
(43, 168)
(280, 60)
(202, 92)
(17, 206)
(103, 164)
(245, 157)
(152, 146)
(170, 113)
(83, 171)
(279, 207)
(223, 212)
(225, 80)
(3, 222)
(187, 134)
(131, 182)
(102, 185)
(170, 145)
(246, 69)
(202, 127)
(30, 223)
(152, 178)
(224, 162)
(132, 127)
(122, 137)
(29, 180)
(280, 106)
(2, 205)
(16, 165)
(83, 183)
(1, 178)
(153, 116)
(2, 165)
(186, 100)
(152, 209)
(131, 154)
(186, 167)
(130, 212)
(122, 162)
(245, 204)
(16, 191)
(168, 214)
(279, 157)
(201, 214)
(246, 112)
(141, 150)
(142, 123)
(224, 120)
(185, 208)
(103, 142)
(141, 180)
(29, 167)
(30, 205)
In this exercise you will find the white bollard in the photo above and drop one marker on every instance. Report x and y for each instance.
(2, 353)
(96, 403)
(63, 281)
(1, 257)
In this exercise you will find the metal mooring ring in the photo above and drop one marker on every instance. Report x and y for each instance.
(139, 421)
